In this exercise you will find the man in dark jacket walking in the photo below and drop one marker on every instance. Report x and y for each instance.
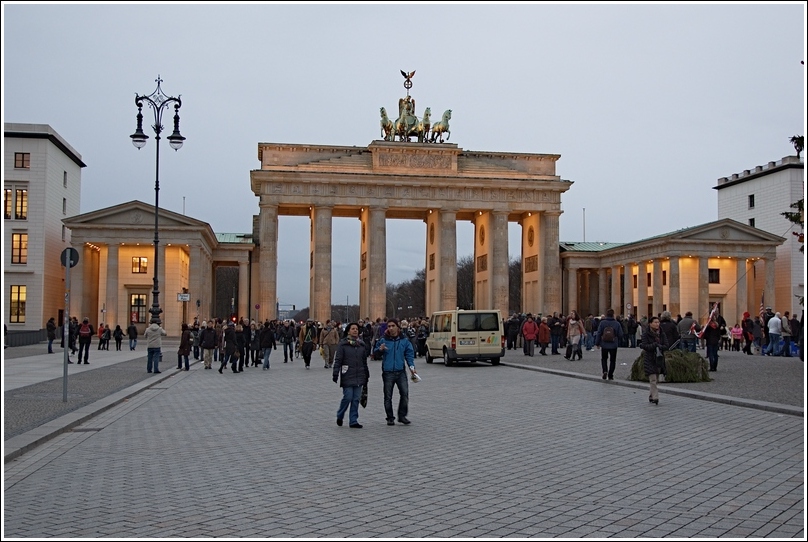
(607, 338)
(209, 341)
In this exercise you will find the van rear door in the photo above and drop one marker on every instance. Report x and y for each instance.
(468, 339)
(490, 334)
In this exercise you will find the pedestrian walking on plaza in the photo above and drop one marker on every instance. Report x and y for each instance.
(529, 332)
(184, 351)
(654, 343)
(775, 332)
(268, 344)
(195, 339)
(712, 339)
(544, 336)
(329, 339)
(396, 354)
(106, 337)
(575, 336)
(101, 336)
(669, 328)
(308, 341)
(240, 346)
(208, 340)
(785, 326)
(229, 348)
(72, 335)
(51, 331)
(85, 333)
(118, 336)
(351, 370)
(154, 347)
(607, 338)
(556, 332)
(131, 332)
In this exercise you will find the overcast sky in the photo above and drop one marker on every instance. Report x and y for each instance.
(648, 105)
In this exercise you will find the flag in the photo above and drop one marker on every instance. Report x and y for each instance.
(712, 313)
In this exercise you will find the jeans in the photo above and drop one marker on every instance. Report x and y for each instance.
(787, 346)
(267, 352)
(179, 361)
(196, 352)
(712, 356)
(773, 348)
(632, 340)
(350, 397)
(132, 344)
(611, 353)
(554, 340)
(590, 340)
(289, 349)
(50, 346)
(396, 378)
(687, 345)
(153, 359)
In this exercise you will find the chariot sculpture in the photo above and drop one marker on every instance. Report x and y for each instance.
(408, 125)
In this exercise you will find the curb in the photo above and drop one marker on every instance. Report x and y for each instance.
(19, 445)
(735, 401)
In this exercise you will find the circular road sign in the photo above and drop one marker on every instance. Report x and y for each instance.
(69, 253)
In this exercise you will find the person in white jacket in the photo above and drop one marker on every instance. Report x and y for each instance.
(154, 344)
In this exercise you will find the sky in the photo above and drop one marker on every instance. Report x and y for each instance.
(646, 104)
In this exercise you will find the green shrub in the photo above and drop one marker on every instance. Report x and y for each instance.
(681, 367)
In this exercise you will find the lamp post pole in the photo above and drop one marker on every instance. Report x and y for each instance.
(159, 102)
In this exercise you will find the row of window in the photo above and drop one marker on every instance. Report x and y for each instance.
(713, 277)
(19, 253)
(15, 201)
(22, 160)
(137, 303)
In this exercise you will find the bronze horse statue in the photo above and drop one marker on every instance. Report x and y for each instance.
(442, 126)
(387, 126)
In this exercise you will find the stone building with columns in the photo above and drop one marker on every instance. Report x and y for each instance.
(686, 270)
(112, 282)
(438, 184)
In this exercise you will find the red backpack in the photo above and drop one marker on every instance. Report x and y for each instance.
(85, 331)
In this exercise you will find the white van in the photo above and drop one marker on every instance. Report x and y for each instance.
(462, 335)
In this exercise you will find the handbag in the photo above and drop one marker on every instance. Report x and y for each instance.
(363, 400)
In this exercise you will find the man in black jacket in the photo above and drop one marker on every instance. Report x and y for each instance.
(209, 342)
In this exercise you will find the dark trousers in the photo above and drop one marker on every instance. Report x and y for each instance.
(306, 349)
(289, 350)
(554, 340)
(611, 353)
(85, 347)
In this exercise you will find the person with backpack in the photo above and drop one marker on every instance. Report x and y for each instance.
(85, 333)
(607, 338)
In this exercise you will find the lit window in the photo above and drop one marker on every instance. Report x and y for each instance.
(140, 265)
(22, 160)
(17, 308)
(19, 248)
(714, 276)
(7, 203)
(21, 208)
(137, 308)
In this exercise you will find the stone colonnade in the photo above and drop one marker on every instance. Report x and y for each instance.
(436, 183)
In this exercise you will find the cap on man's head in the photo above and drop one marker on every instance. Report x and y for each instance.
(768, 308)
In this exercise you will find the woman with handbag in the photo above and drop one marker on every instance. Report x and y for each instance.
(653, 343)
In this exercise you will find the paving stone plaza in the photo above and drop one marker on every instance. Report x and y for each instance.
(533, 448)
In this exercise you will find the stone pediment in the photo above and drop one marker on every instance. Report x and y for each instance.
(724, 230)
(134, 214)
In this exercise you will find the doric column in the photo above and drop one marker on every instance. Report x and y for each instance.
(113, 310)
(532, 263)
(77, 278)
(740, 289)
(603, 290)
(642, 290)
(268, 260)
(377, 260)
(448, 259)
(587, 291)
(703, 288)
(617, 301)
(89, 300)
(243, 289)
(499, 252)
(320, 273)
(768, 284)
(572, 290)
(628, 292)
(674, 292)
(656, 286)
(196, 263)
(552, 262)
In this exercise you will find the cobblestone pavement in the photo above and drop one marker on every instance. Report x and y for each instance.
(491, 452)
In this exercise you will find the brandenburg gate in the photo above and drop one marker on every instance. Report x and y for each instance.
(429, 180)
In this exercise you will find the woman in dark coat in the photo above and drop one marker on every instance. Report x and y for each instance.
(229, 347)
(351, 369)
(652, 337)
(185, 347)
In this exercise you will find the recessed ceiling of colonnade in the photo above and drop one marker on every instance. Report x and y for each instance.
(406, 245)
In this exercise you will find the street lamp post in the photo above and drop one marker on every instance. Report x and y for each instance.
(159, 102)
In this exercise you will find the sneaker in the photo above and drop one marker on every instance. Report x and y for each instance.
(405, 421)
(390, 422)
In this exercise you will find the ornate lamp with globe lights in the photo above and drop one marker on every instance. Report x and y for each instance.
(159, 102)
